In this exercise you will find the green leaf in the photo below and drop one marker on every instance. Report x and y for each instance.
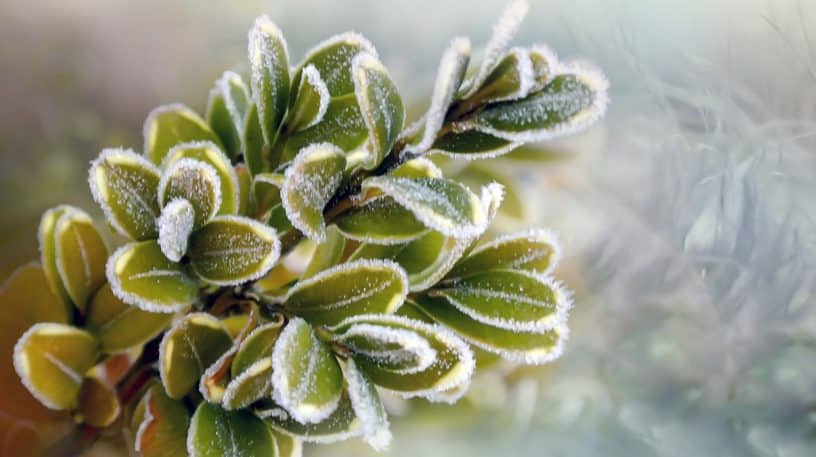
(442, 205)
(288, 446)
(342, 424)
(360, 287)
(332, 59)
(231, 250)
(417, 168)
(226, 110)
(533, 250)
(176, 223)
(426, 260)
(256, 346)
(327, 254)
(310, 182)
(80, 256)
(215, 432)
(212, 155)
(545, 63)
(306, 378)
(397, 349)
(512, 78)
(195, 181)
(509, 299)
(365, 400)
(312, 101)
(126, 186)
(256, 152)
(342, 126)
(169, 125)
(570, 102)
(119, 326)
(245, 203)
(163, 431)
(48, 251)
(188, 349)
(51, 360)
(98, 403)
(381, 221)
(472, 145)
(452, 366)
(141, 276)
(269, 63)
(380, 104)
(266, 192)
(251, 369)
(531, 348)
(452, 68)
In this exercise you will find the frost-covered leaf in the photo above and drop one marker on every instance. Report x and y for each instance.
(511, 79)
(51, 360)
(534, 250)
(545, 64)
(163, 430)
(80, 255)
(176, 223)
(342, 126)
(269, 63)
(119, 326)
(213, 382)
(365, 400)
(452, 366)
(327, 254)
(231, 250)
(251, 369)
(485, 174)
(194, 181)
(360, 287)
(426, 260)
(503, 32)
(244, 190)
(226, 110)
(48, 251)
(381, 221)
(442, 205)
(312, 101)
(472, 145)
(509, 299)
(310, 182)
(188, 349)
(141, 276)
(570, 102)
(216, 432)
(212, 155)
(169, 125)
(380, 104)
(417, 168)
(342, 424)
(288, 446)
(397, 349)
(332, 59)
(126, 186)
(98, 403)
(306, 377)
(531, 348)
(452, 68)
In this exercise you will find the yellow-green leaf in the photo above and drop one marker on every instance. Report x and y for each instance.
(380, 104)
(312, 101)
(310, 182)
(141, 276)
(342, 126)
(188, 349)
(342, 424)
(327, 254)
(211, 154)
(306, 378)
(533, 250)
(269, 64)
(381, 221)
(126, 186)
(119, 326)
(231, 250)
(332, 59)
(52, 359)
(163, 430)
(194, 181)
(169, 125)
(80, 256)
(48, 251)
(226, 110)
(216, 432)
(360, 287)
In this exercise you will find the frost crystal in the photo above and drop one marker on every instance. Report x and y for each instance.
(175, 225)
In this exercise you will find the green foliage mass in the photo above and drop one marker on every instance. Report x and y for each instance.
(293, 255)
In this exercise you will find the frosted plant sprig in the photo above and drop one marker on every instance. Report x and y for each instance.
(295, 254)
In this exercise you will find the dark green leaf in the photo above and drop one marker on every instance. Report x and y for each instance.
(215, 432)
(163, 430)
(342, 424)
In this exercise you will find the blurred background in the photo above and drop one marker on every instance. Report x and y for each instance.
(688, 215)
